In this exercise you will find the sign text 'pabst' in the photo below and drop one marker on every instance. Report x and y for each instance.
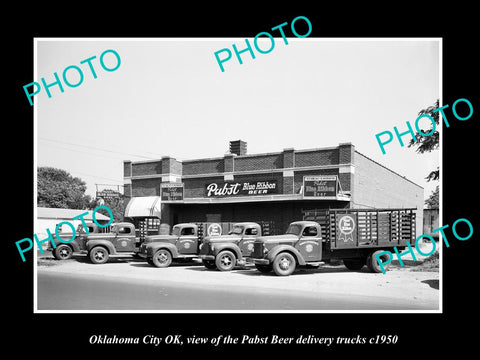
(241, 189)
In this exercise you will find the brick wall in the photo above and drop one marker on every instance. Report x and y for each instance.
(146, 187)
(261, 162)
(377, 186)
(316, 157)
(203, 166)
(127, 168)
(147, 168)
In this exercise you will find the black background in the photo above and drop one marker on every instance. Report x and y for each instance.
(68, 334)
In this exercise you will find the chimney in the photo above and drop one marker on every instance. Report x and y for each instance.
(238, 147)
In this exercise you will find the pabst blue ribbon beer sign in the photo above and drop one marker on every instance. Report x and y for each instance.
(241, 189)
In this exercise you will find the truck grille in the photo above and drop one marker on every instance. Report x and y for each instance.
(257, 250)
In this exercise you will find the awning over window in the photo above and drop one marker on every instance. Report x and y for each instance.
(143, 206)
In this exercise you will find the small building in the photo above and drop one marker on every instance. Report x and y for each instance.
(49, 218)
(272, 189)
(430, 222)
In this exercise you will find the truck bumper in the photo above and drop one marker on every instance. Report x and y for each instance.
(245, 261)
(206, 257)
(261, 261)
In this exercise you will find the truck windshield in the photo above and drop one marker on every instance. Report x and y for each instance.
(176, 231)
(294, 229)
(237, 230)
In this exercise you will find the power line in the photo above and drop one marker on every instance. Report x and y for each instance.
(95, 176)
(84, 152)
(96, 148)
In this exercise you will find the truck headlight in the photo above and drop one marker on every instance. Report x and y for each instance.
(212, 247)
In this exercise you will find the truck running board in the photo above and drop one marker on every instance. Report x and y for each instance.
(315, 264)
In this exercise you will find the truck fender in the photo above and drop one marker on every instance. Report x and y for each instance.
(228, 246)
(106, 244)
(152, 248)
(73, 244)
(279, 248)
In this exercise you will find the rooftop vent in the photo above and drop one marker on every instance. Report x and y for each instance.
(238, 147)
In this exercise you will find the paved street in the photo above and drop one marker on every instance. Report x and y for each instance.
(132, 284)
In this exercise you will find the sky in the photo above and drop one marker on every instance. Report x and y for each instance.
(169, 97)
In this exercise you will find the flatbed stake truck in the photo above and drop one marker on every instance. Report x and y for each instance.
(352, 235)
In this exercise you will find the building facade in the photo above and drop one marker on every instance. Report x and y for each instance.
(272, 188)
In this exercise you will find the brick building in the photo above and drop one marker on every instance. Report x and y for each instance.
(271, 188)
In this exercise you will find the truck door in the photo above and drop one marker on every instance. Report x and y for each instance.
(310, 244)
(124, 240)
(187, 242)
(246, 244)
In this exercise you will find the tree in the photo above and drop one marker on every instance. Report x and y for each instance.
(433, 201)
(56, 188)
(428, 144)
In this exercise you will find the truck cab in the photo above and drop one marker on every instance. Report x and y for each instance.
(301, 244)
(120, 240)
(64, 251)
(225, 251)
(161, 250)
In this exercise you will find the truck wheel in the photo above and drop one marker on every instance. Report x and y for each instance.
(225, 261)
(98, 255)
(284, 264)
(209, 264)
(354, 264)
(264, 268)
(63, 252)
(372, 262)
(162, 258)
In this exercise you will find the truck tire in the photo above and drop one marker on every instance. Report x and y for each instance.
(372, 262)
(264, 268)
(162, 258)
(98, 255)
(284, 264)
(225, 261)
(62, 252)
(354, 264)
(209, 264)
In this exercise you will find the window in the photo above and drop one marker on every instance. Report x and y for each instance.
(237, 230)
(251, 231)
(124, 230)
(176, 231)
(188, 231)
(294, 229)
(310, 231)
